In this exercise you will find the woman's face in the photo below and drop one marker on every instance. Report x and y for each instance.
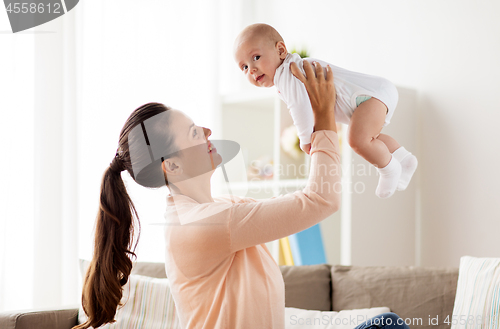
(196, 153)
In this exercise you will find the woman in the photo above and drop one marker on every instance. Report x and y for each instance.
(220, 270)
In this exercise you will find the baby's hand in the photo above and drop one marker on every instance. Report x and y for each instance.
(306, 148)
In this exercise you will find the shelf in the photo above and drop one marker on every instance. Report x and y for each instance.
(256, 117)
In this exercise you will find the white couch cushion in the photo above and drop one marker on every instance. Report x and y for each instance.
(477, 302)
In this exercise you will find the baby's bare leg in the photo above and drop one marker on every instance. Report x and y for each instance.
(390, 142)
(364, 138)
(364, 132)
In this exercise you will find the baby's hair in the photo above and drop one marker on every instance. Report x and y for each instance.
(261, 30)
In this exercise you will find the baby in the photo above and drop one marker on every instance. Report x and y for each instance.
(365, 102)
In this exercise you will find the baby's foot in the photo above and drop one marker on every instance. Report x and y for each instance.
(389, 178)
(409, 164)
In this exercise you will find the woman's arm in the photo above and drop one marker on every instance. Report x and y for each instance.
(293, 92)
(291, 88)
(251, 224)
(321, 92)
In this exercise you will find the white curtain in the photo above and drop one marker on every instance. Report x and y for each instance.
(133, 53)
(67, 88)
(16, 166)
(38, 250)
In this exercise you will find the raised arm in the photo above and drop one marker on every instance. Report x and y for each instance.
(321, 92)
(259, 222)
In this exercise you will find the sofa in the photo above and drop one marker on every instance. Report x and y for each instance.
(422, 296)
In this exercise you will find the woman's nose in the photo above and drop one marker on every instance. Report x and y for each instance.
(207, 132)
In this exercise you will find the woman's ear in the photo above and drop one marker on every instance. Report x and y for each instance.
(280, 46)
(171, 167)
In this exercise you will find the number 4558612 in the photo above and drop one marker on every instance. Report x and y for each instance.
(464, 319)
(33, 8)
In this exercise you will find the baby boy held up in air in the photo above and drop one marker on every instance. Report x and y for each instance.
(365, 102)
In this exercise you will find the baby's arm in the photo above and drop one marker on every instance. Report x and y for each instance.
(295, 96)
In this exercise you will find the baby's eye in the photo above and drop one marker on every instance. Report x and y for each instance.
(244, 67)
(256, 58)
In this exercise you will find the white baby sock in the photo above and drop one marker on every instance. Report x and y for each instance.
(409, 164)
(389, 178)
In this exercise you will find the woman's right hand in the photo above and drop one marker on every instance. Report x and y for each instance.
(321, 91)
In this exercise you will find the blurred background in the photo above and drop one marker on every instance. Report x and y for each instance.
(68, 86)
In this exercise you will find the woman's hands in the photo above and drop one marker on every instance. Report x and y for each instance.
(321, 91)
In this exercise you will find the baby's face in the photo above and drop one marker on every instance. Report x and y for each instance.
(258, 59)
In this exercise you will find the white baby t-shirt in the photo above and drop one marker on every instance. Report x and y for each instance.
(348, 85)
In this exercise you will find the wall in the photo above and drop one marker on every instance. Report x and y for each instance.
(130, 55)
(448, 52)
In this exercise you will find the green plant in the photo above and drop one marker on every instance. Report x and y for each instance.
(302, 53)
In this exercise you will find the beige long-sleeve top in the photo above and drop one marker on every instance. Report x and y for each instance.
(221, 273)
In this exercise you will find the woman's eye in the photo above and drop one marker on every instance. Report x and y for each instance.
(256, 58)
(195, 132)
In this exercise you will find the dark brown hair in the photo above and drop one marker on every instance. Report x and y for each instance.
(111, 262)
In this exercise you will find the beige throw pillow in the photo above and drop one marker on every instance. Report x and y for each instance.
(148, 303)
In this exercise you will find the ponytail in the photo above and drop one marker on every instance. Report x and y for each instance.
(111, 262)
(111, 265)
